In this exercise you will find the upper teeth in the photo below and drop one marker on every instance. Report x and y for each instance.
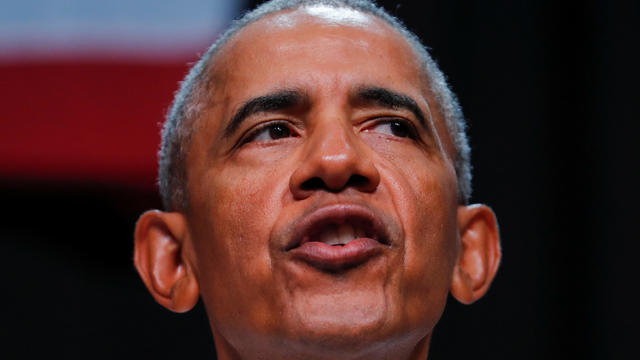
(339, 234)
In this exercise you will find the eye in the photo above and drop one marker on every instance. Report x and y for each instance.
(397, 128)
(270, 132)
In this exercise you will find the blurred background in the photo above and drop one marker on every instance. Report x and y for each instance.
(551, 92)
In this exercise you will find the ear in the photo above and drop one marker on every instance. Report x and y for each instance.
(161, 258)
(479, 254)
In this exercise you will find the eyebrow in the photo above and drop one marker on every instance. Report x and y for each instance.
(389, 99)
(276, 101)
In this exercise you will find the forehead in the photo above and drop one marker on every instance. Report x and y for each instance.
(316, 43)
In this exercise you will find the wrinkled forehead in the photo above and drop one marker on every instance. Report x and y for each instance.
(325, 20)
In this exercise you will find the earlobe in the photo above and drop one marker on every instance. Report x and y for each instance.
(160, 256)
(480, 253)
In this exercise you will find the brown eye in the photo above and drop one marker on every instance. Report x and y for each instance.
(279, 131)
(270, 132)
(394, 128)
(399, 129)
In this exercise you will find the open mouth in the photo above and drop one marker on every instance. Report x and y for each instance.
(339, 237)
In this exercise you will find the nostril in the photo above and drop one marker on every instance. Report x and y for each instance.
(358, 181)
(313, 184)
(316, 183)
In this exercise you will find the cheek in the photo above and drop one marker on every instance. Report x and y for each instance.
(424, 195)
(233, 211)
(434, 221)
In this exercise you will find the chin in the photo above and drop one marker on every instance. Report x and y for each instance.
(352, 338)
(344, 323)
(336, 328)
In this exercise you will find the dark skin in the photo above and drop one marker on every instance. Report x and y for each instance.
(321, 124)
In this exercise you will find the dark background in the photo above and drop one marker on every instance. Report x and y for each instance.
(551, 92)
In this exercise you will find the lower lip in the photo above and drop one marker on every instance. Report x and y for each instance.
(339, 257)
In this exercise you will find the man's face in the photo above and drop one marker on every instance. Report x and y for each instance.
(321, 185)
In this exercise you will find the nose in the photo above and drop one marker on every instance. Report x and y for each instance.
(333, 161)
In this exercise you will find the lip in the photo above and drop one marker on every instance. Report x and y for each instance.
(302, 247)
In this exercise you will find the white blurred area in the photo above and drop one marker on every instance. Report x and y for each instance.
(145, 30)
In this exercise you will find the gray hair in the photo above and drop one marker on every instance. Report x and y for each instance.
(189, 101)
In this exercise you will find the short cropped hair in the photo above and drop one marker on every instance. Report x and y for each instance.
(190, 101)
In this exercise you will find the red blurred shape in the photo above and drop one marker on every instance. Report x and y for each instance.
(87, 122)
